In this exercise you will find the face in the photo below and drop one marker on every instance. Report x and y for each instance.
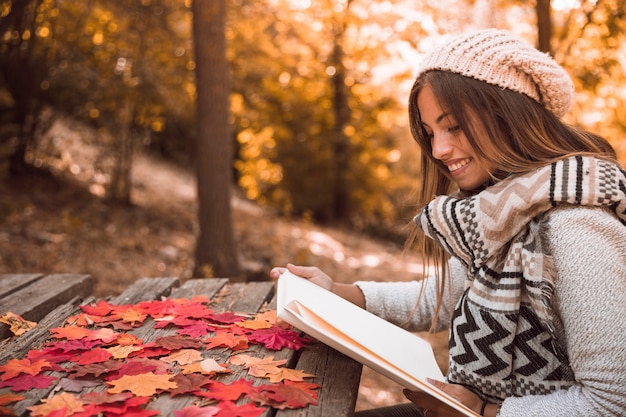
(450, 145)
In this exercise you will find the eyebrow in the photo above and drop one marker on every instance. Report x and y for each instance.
(441, 117)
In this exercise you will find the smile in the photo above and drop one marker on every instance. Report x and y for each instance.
(458, 165)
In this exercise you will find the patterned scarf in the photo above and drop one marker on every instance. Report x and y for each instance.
(498, 235)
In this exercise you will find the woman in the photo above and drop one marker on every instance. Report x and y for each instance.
(527, 223)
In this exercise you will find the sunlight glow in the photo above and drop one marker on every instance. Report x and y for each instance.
(565, 5)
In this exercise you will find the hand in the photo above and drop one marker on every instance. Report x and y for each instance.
(312, 273)
(436, 408)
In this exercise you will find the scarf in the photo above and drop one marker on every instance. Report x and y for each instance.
(499, 236)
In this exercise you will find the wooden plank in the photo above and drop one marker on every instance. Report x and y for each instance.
(339, 377)
(9, 283)
(146, 289)
(43, 296)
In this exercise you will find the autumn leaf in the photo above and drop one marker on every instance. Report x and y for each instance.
(15, 367)
(17, 324)
(122, 351)
(227, 392)
(226, 339)
(195, 411)
(102, 308)
(95, 369)
(177, 342)
(197, 328)
(260, 321)
(101, 397)
(27, 382)
(283, 396)
(136, 366)
(189, 383)
(6, 399)
(143, 385)
(207, 366)
(288, 374)
(276, 338)
(69, 402)
(229, 408)
(97, 355)
(183, 357)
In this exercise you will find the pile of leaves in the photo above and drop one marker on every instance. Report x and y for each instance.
(101, 368)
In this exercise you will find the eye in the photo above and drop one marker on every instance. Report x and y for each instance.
(454, 129)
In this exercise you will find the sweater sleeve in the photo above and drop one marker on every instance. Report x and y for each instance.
(589, 249)
(396, 301)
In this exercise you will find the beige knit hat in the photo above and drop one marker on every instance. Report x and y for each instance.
(499, 58)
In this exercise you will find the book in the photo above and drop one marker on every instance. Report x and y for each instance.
(384, 347)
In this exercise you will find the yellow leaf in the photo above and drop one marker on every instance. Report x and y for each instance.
(18, 325)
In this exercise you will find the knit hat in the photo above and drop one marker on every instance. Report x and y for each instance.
(499, 58)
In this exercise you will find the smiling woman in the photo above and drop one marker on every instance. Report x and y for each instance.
(516, 205)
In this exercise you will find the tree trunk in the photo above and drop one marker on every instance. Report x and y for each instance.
(216, 251)
(544, 26)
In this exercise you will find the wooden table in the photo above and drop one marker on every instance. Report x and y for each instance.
(51, 299)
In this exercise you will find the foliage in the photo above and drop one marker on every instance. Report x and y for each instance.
(87, 353)
(127, 68)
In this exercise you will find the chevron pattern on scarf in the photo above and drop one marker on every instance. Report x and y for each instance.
(502, 326)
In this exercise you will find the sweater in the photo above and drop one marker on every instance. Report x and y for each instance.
(588, 246)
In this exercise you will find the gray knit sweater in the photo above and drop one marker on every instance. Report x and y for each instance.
(589, 249)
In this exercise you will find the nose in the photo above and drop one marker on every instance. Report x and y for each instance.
(441, 146)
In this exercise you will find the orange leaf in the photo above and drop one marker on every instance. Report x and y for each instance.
(206, 367)
(184, 357)
(121, 352)
(18, 325)
(227, 339)
(142, 385)
(62, 401)
(14, 367)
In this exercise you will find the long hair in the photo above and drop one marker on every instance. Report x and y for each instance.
(510, 131)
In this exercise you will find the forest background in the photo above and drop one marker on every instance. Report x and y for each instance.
(124, 125)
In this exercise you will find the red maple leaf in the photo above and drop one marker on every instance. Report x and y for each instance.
(227, 317)
(197, 329)
(97, 355)
(230, 409)
(26, 382)
(72, 345)
(192, 310)
(276, 338)
(227, 392)
(195, 411)
(136, 366)
(102, 308)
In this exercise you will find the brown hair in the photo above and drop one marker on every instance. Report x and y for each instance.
(523, 134)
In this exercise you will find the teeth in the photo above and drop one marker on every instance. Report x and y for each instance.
(458, 165)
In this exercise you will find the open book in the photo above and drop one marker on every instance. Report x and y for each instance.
(386, 348)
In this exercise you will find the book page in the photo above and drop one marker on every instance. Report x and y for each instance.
(386, 348)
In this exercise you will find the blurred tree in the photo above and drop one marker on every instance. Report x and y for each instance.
(216, 252)
(22, 70)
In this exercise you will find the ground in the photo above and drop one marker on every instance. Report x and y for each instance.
(58, 223)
